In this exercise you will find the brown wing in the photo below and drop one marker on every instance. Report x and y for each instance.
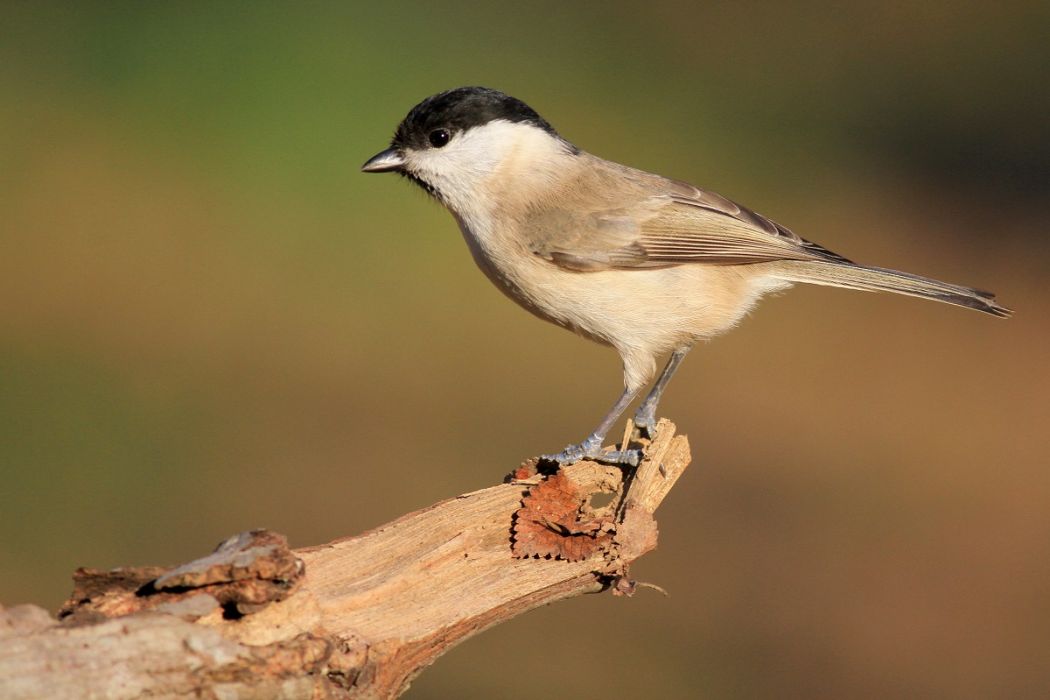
(676, 225)
(701, 226)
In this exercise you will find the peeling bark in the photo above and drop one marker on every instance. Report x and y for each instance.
(355, 618)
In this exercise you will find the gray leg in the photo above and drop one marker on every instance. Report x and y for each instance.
(591, 448)
(645, 417)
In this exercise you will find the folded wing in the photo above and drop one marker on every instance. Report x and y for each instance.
(678, 224)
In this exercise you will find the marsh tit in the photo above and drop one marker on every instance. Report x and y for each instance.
(640, 262)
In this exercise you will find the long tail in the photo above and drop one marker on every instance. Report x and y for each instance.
(877, 279)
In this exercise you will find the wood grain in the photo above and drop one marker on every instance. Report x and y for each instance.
(355, 618)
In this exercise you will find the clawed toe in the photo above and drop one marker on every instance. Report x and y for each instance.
(588, 449)
(630, 458)
(592, 449)
(645, 419)
(570, 455)
(645, 425)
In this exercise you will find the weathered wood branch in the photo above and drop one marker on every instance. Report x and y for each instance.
(356, 618)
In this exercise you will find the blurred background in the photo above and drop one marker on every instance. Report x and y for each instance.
(211, 321)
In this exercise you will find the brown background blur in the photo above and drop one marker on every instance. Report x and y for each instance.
(211, 321)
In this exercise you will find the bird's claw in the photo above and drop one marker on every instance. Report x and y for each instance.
(591, 448)
(574, 453)
(645, 422)
(630, 458)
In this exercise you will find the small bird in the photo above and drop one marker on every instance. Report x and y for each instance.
(627, 258)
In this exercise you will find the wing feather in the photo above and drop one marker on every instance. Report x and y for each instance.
(662, 223)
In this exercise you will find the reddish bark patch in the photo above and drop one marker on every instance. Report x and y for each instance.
(553, 523)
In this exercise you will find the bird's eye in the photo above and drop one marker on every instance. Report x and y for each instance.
(439, 137)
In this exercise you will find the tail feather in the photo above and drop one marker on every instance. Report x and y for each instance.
(877, 279)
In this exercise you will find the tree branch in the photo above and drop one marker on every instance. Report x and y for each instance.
(355, 618)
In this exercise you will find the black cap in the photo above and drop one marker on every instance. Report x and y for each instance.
(460, 109)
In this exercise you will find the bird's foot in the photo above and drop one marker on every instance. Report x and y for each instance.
(629, 458)
(591, 448)
(645, 421)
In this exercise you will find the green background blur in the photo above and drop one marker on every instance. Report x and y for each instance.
(211, 321)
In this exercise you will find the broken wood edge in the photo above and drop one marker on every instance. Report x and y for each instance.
(359, 617)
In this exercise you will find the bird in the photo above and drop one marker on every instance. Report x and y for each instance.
(643, 263)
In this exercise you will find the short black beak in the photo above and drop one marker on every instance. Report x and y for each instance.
(386, 161)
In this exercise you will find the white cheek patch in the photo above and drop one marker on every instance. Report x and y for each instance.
(458, 171)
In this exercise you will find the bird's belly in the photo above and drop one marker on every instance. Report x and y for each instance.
(650, 310)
